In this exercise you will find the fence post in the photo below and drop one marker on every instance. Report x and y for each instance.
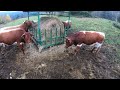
(45, 37)
(56, 36)
(51, 36)
(69, 15)
(60, 32)
(28, 15)
(36, 34)
(39, 28)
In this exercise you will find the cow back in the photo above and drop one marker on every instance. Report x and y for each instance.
(92, 37)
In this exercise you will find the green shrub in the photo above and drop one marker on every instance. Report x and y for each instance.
(8, 18)
(81, 13)
(5, 19)
(1, 20)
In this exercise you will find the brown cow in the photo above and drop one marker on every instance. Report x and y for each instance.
(26, 25)
(15, 35)
(67, 24)
(85, 37)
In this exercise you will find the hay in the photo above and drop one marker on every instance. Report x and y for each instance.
(51, 23)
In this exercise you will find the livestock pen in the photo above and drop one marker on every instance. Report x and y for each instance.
(51, 36)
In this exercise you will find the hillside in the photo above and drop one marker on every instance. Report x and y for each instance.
(55, 63)
(17, 14)
(97, 24)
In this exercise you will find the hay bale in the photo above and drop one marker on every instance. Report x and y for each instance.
(51, 23)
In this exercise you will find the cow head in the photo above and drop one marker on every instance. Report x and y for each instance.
(68, 42)
(27, 37)
(67, 24)
(30, 24)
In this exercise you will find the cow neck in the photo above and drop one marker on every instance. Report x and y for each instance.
(76, 38)
(24, 27)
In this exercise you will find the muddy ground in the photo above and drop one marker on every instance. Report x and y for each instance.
(54, 63)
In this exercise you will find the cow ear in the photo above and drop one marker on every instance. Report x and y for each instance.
(25, 22)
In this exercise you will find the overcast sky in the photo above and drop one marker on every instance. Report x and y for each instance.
(8, 11)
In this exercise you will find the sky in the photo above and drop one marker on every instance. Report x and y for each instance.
(8, 11)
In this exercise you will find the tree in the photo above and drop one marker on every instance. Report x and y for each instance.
(8, 18)
(1, 20)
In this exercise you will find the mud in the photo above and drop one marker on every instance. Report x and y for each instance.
(54, 63)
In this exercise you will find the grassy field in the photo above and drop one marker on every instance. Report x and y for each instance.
(95, 24)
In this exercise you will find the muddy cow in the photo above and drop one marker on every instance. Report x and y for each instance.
(85, 37)
(15, 35)
(67, 24)
(26, 25)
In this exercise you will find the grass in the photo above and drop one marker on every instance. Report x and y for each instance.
(94, 24)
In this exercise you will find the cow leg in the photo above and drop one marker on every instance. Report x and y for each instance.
(98, 46)
(78, 48)
(3, 48)
(93, 49)
(3, 45)
(21, 47)
(98, 49)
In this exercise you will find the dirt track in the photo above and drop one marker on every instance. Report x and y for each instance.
(54, 63)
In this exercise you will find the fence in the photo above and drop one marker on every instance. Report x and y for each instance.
(49, 38)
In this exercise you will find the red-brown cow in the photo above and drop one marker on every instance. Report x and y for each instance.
(67, 24)
(26, 25)
(15, 35)
(85, 37)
